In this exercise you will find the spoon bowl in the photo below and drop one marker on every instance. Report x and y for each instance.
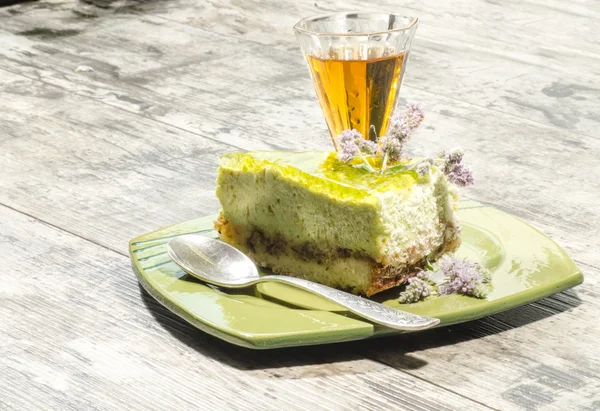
(213, 261)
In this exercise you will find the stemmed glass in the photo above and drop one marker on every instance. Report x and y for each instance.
(357, 61)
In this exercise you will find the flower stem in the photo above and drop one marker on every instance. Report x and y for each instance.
(384, 162)
(367, 165)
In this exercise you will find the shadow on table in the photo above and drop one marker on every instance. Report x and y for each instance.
(5, 3)
(345, 358)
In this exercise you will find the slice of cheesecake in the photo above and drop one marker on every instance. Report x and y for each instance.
(312, 216)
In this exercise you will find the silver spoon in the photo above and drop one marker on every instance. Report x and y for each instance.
(218, 263)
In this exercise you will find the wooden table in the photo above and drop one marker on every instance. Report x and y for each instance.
(89, 160)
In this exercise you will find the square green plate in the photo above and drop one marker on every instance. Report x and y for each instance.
(526, 266)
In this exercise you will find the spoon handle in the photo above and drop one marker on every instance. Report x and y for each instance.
(370, 310)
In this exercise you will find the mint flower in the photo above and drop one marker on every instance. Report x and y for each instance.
(349, 136)
(455, 156)
(348, 141)
(399, 130)
(413, 116)
(417, 288)
(352, 144)
(390, 145)
(403, 125)
(423, 167)
(458, 277)
(463, 277)
(367, 147)
(454, 168)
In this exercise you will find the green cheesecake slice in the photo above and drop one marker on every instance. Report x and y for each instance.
(310, 215)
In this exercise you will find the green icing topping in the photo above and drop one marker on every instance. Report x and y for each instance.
(322, 171)
(348, 174)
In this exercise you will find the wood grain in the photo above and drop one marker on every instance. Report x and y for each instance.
(540, 356)
(64, 154)
(97, 158)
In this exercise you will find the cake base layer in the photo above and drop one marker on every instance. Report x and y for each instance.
(339, 268)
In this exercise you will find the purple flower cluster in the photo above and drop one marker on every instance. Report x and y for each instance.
(459, 277)
(413, 116)
(352, 144)
(400, 129)
(463, 277)
(390, 146)
(423, 167)
(454, 168)
(418, 288)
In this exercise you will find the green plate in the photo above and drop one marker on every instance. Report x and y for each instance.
(526, 266)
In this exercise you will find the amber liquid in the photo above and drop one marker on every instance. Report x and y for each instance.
(358, 94)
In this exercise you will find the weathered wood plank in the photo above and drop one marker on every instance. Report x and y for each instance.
(64, 150)
(78, 333)
(224, 104)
